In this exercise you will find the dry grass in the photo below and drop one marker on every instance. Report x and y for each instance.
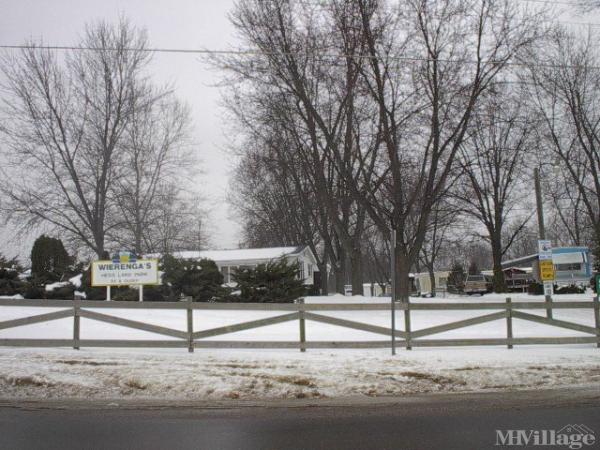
(437, 379)
(25, 381)
(132, 383)
(297, 381)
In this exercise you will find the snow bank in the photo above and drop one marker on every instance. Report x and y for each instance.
(213, 375)
(52, 286)
(76, 280)
(13, 297)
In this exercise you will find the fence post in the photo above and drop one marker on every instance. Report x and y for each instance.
(509, 330)
(76, 324)
(407, 324)
(190, 325)
(302, 323)
(597, 318)
(548, 299)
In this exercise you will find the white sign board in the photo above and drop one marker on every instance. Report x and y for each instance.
(548, 288)
(544, 250)
(110, 273)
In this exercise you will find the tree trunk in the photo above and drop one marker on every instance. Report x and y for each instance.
(499, 282)
(324, 279)
(138, 239)
(402, 276)
(356, 272)
(432, 280)
(99, 245)
(340, 271)
(596, 249)
(339, 279)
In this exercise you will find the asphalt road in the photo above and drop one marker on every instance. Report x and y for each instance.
(446, 422)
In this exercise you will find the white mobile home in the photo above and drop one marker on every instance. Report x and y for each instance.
(230, 260)
(572, 265)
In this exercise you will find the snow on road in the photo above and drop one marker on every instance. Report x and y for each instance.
(261, 374)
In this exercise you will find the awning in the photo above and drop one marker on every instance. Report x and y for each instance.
(566, 258)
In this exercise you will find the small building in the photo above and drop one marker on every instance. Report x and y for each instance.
(230, 260)
(375, 289)
(572, 265)
(423, 282)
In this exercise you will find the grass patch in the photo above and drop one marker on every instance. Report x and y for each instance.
(437, 379)
(296, 381)
(135, 384)
(26, 381)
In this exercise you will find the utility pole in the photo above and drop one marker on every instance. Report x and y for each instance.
(393, 283)
(538, 201)
(541, 234)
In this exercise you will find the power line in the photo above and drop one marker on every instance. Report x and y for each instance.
(263, 53)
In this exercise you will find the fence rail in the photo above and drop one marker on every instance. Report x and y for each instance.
(300, 312)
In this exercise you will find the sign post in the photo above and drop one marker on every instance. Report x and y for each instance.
(546, 267)
(125, 270)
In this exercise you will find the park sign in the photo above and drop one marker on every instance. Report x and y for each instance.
(546, 270)
(545, 260)
(544, 250)
(125, 270)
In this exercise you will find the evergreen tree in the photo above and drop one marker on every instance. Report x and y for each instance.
(275, 282)
(10, 284)
(200, 280)
(91, 293)
(49, 259)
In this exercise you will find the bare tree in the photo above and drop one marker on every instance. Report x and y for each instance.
(177, 222)
(290, 91)
(525, 243)
(377, 258)
(568, 218)
(493, 158)
(565, 87)
(155, 153)
(63, 125)
(427, 68)
(278, 205)
(438, 236)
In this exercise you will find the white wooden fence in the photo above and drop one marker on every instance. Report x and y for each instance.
(301, 312)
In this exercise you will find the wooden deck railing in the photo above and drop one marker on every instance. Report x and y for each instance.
(301, 312)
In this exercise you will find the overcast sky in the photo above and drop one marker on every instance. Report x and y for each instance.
(172, 24)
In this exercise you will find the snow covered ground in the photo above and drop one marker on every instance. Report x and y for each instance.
(260, 374)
